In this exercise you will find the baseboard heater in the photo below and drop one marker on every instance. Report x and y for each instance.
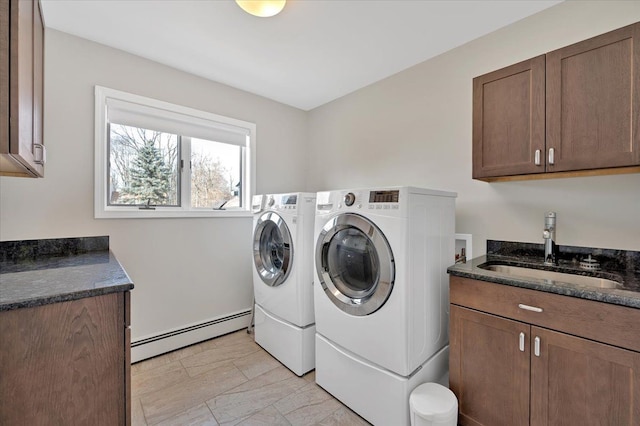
(158, 344)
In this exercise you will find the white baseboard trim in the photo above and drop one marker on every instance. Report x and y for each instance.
(160, 343)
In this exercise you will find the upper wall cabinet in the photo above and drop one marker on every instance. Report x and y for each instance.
(22, 151)
(593, 102)
(586, 96)
(508, 120)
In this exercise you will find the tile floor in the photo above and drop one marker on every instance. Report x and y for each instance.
(229, 380)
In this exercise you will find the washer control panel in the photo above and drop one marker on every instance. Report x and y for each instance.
(384, 200)
(289, 202)
(384, 196)
(283, 202)
(380, 201)
(349, 199)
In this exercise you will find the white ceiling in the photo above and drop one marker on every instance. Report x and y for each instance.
(314, 51)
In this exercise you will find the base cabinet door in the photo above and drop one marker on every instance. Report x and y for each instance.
(506, 372)
(66, 363)
(575, 381)
(489, 368)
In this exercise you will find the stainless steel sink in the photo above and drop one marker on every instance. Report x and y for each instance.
(517, 271)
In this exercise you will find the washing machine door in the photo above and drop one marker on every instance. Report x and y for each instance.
(272, 249)
(355, 264)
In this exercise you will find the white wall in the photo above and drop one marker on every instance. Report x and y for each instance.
(414, 128)
(185, 270)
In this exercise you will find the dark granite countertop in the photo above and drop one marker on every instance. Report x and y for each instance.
(617, 265)
(39, 272)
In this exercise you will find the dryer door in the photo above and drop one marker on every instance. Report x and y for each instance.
(355, 264)
(272, 249)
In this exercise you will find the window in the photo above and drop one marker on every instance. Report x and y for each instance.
(143, 167)
(156, 159)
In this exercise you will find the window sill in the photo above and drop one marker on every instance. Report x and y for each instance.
(166, 214)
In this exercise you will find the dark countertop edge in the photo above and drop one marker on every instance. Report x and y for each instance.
(470, 270)
(65, 297)
(116, 280)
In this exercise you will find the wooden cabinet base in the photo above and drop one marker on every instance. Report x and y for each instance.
(585, 381)
(509, 366)
(488, 374)
(65, 363)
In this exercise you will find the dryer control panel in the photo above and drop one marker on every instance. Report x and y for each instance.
(289, 199)
(292, 202)
(385, 201)
(384, 196)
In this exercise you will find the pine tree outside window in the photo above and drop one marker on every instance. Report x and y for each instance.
(155, 159)
(143, 167)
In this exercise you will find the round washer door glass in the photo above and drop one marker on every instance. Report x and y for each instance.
(355, 264)
(272, 249)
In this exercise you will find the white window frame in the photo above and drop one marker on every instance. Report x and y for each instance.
(104, 211)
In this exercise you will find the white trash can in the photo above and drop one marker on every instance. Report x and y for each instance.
(432, 404)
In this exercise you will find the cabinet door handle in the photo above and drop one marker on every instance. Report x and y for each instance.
(552, 156)
(536, 157)
(521, 343)
(529, 308)
(42, 158)
(536, 346)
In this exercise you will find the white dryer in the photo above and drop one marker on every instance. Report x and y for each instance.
(283, 279)
(381, 295)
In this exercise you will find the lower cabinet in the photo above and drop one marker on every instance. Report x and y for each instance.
(66, 363)
(511, 372)
(583, 381)
(487, 371)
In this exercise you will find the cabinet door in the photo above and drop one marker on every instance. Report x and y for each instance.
(64, 363)
(575, 381)
(593, 102)
(22, 153)
(508, 120)
(38, 86)
(489, 369)
(4, 72)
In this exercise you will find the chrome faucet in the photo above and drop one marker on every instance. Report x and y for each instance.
(549, 235)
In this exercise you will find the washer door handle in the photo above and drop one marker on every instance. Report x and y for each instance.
(324, 256)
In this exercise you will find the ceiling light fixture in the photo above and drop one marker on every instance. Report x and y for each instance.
(262, 8)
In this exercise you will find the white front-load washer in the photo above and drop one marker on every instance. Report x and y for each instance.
(283, 253)
(381, 295)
